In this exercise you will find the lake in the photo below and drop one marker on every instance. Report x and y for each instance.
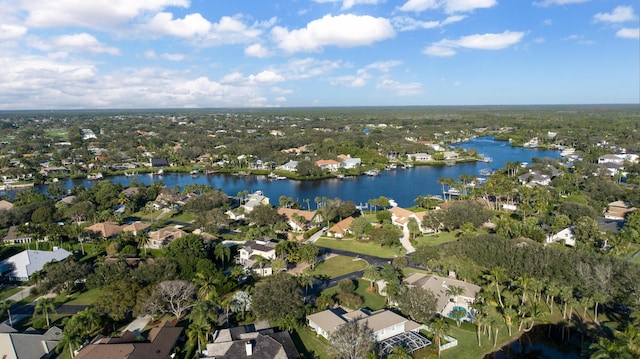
(539, 344)
(401, 185)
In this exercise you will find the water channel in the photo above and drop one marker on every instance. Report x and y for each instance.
(401, 185)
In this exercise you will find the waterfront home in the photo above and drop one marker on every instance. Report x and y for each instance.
(253, 200)
(340, 229)
(534, 178)
(401, 217)
(440, 286)
(289, 166)
(330, 165)
(419, 157)
(298, 219)
(21, 266)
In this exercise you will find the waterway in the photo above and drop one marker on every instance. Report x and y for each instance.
(401, 185)
(539, 344)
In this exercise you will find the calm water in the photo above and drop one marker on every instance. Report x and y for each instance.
(402, 185)
(539, 344)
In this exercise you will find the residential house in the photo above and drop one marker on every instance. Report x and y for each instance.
(257, 341)
(289, 166)
(105, 229)
(5, 205)
(534, 178)
(340, 229)
(619, 158)
(254, 200)
(66, 201)
(389, 329)
(159, 162)
(618, 210)
(159, 345)
(330, 165)
(135, 227)
(21, 266)
(297, 219)
(439, 287)
(264, 248)
(450, 155)
(401, 217)
(419, 157)
(14, 236)
(29, 344)
(163, 237)
(565, 236)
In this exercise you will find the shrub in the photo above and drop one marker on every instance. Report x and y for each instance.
(347, 286)
(350, 300)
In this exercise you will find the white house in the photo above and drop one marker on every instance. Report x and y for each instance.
(401, 217)
(21, 266)
(259, 248)
(565, 236)
(439, 286)
(253, 200)
(289, 166)
(351, 163)
(419, 157)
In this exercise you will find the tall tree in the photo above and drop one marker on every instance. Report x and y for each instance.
(43, 307)
(352, 340)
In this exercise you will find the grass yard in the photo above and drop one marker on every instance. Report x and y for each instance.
(337, 266)
(436, 239)
(368, 248)
(184, 217)
(84, 298)
(58, 134)
(309, 344)
(6, 293)
(371, 300)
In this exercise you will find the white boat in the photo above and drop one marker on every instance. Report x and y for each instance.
(486, 172)
(393, 203)
(372, 172)
(487, 159)
(94, 177)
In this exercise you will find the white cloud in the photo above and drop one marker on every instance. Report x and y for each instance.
(420, 5)
(348, 4)
(150, 54)
(489, 41)
(232, 30)
(453, 6)
(298, 69)
(399, 88)
(547, 3)
(265, 77)
(82, 42)
(95, 14)
(256, 50)
(406, 23)
(450, 6)
(11, 32)
(342, 30)
(192, 25)
(173, 57)
(619, 15)
(351, 81)
(629, 33)
(384, 66)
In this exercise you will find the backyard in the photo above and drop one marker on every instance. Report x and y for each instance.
(337, 266)
(362, 247)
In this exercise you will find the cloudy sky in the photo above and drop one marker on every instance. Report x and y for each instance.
(62, 54)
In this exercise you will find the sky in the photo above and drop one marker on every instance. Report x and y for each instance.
(81, 54)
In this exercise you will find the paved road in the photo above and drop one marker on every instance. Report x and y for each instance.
(406, 243)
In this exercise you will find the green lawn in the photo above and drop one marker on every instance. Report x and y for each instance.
(84, 298)
(183, 217)
(368, 248)
(309, 344)
(371, 300)
(436, 239)
(337, 266)
(6, 293)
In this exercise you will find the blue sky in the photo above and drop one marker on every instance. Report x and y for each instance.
(68, 54)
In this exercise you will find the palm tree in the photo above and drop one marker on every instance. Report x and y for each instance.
(566, 294)
(198, 331)
(552, 291)
(609, 349)
(207, 290)
(306, 281)
(205, 311)
(222, 252)
(495, 277)
(70, 338)
(76, 230)
(143, 240)
(372, 274)
(439, 328)
(509, 316)
(586, 302)
(524, 281)
(400, 353)
(479, 320)
(457, 314)
(43, 307)
(454, 291)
